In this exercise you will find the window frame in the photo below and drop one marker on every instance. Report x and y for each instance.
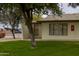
(52, 31)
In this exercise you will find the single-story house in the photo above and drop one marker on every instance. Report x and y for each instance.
(5, 31)
(65, 27)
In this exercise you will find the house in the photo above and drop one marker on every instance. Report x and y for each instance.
(53, 27)
(5, 32)
(65, 27)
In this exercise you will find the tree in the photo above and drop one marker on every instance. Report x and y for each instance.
(37, 17)
(27, 10)
(11, 18)
(74, 5)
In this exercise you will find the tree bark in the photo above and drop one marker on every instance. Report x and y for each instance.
(27, 14)
(12, 25)
(29, 25)
(13, 33)
(32, 36)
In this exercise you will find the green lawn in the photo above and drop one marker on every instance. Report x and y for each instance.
(44, 48)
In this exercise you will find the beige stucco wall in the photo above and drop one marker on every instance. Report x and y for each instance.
(72, 35)
(25, 31)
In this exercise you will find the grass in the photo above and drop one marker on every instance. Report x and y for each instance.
(44, 48)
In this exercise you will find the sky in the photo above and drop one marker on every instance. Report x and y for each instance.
(66, 9)
(69, 10)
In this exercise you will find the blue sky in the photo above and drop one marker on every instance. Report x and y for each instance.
(66, 9)
(69, 10)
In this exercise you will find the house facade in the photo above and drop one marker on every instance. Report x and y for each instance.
(65, 27)
(5, 32)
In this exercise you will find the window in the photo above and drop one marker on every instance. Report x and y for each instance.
(58, 29)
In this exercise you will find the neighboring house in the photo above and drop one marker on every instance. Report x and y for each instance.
(18, 32)
(8, 34)
(57, 28)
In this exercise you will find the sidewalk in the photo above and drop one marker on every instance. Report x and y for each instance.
(5, 40)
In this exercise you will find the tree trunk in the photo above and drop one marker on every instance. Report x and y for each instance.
(27, 14)
(32, 36)
(13, 33)
(29, 25)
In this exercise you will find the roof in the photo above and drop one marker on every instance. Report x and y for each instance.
(64, 17)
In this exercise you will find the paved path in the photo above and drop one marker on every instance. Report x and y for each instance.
(19, 36)
(5, 40)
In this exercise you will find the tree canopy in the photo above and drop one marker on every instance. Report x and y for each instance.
(74, 5)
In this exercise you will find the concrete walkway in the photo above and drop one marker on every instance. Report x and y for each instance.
(5, 40)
